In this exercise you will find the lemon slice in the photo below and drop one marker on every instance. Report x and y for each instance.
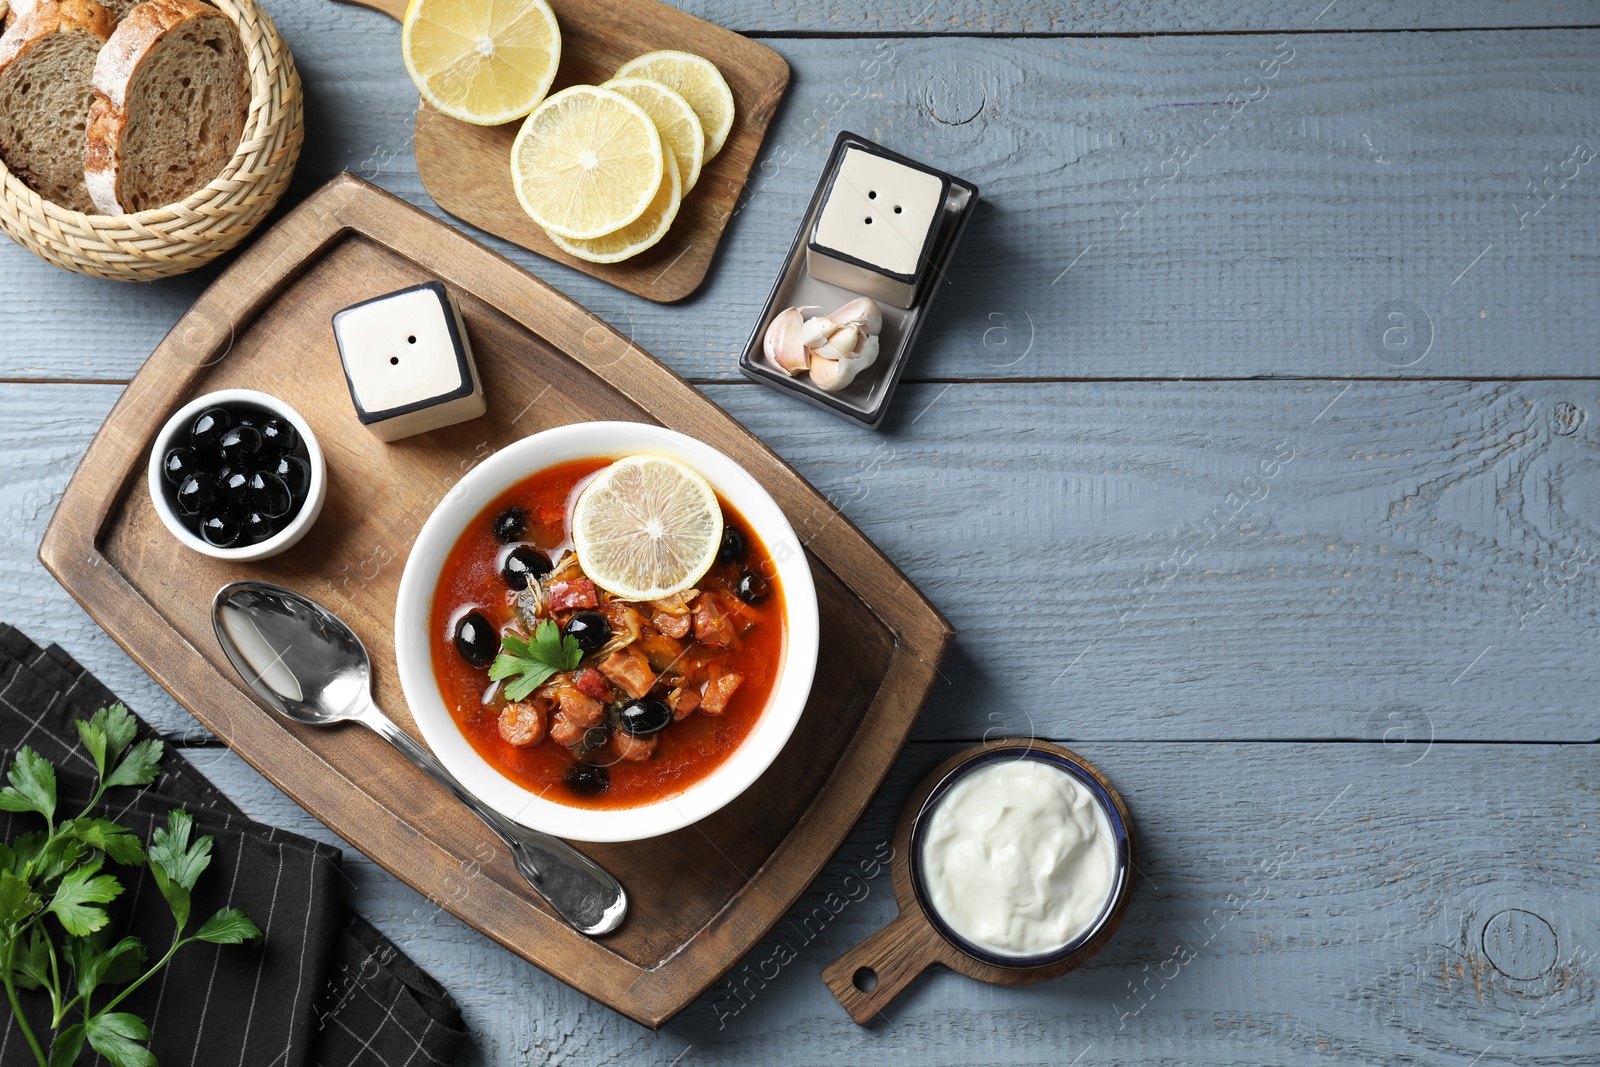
(587, 162)
(638, 235)
(698, 81)
(482, 61)
(675, 120)
(646, 527)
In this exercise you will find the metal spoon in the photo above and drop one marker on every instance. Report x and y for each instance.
(304, 663)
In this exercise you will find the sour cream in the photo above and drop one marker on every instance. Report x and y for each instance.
(1019, 858)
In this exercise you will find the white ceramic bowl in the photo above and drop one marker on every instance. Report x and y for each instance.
(475, 492)
(281, 541)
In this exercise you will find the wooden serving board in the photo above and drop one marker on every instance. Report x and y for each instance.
(467, 168)
(701, 897)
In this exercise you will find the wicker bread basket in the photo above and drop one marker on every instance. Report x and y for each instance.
(180, 237)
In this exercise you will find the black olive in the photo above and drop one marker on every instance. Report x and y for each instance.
(208, 428)
(510, 525)
(589, 629)
(278, 436)
(593, 738)
(220, 531)
(295, 472)
(752, 588)
(587, 780)
(523, 564)
(239, 443)
(476, 640)
(195, 492)
(178, 464)
(644, 717)
(732, 550)
(258, 527)
(233, 488)
(267, 494)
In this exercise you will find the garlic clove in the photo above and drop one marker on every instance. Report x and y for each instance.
(841, 344)
(815, 331)
(782, 342)
(866, 352)
(832, 375)
(863, 311)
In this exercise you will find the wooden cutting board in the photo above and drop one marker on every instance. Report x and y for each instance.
(467, 168)
(702, 897)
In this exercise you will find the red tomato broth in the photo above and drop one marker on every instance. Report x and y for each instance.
(687, 750)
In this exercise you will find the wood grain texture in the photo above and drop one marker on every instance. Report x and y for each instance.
(700, 897)
(1398, 561)
(1374, 174)
(1296, 902)
(1424, 568)
(1033, 17)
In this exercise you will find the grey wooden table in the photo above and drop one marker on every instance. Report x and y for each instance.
(1253, 453)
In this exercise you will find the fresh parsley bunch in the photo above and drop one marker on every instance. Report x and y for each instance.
(55, 874)
(532, 663)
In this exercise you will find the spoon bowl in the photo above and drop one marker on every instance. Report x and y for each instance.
(305, 664)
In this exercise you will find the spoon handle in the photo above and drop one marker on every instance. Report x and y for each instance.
(583, 892)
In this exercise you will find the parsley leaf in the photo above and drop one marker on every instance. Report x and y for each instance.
(139, 767)
(92, 963)
(116, 1036)
(80, 890)
(107, 735)
(68, 1043)
(176, 864)
(532, 663)
(18, 902)
(230, 926)
(115, 841)
(33, 785)
(33, 962)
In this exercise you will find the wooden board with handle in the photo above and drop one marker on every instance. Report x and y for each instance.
(467, 168)
(701, 897)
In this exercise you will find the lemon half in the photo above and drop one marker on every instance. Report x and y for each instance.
(588, 161)
(698, 81)
(646, 527)
(482, 61)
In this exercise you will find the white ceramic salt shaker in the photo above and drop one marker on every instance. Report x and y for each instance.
(875, 231)
(408, 362)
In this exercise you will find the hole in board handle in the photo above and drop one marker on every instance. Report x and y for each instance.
(865, 979)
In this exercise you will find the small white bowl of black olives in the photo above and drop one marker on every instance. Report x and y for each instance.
(238, 475)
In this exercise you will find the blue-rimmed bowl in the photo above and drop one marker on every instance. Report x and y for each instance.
(867, 977)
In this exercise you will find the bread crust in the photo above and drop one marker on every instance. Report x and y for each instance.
(115, 71)
(41, 22)
(48, 16)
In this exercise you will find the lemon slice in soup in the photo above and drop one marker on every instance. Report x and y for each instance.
(646, 527)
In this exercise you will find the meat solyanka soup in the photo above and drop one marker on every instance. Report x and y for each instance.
(626, 702)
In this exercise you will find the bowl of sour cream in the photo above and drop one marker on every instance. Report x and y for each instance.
(1020, 855)
(1013, 863)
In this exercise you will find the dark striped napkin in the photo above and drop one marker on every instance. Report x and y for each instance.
(323, 986)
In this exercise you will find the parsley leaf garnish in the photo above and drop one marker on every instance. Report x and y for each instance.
(532, 663)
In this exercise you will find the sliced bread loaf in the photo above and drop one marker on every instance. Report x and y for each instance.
(171, 91)
(46, 62)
